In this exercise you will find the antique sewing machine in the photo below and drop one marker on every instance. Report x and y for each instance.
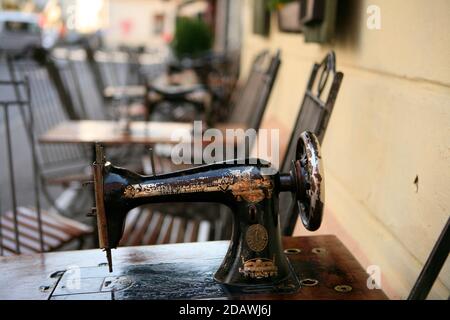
(255, 255)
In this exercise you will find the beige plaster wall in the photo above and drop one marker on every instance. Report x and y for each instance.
(391, 124)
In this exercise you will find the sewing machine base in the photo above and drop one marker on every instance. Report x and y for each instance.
(182, 280)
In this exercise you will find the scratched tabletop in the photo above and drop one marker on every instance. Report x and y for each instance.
(324, 268)
(141, 132)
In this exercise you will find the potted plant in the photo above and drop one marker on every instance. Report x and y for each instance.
(192, 38)
(277, 4)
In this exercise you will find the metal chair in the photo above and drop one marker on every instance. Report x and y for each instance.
(248, 107)
(71, 76)
(314, 114)
(60, 165)
(209, 99)
(433, 266)
(252, 99)
(119, 69)
(69, 71)
(26, 229)
(123, 95)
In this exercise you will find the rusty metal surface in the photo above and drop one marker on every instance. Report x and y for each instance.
(241, 183)
(310, 207)
(235, 185)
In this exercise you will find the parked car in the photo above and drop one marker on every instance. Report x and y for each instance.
(19, 32)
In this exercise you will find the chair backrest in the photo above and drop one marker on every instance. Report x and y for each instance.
(73, 71)
(106, 69)
(15, 98)
(227, 76)
(314, 114)
(61, 79)
(94, 67)
(48, 111)
(69, 70)
(252, 100)
(133, 74)
(112, 68)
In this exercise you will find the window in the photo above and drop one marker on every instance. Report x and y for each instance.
(158, 24)
(15, 26)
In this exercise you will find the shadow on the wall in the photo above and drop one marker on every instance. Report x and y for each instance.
(348, 23)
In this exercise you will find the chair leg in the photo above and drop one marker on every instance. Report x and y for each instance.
(81, 242)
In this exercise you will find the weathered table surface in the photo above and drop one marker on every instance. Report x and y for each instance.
(186, 79)
(141, 132)
(129, 91)
(27, 276)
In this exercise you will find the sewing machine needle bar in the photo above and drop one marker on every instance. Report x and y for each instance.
(100, 205)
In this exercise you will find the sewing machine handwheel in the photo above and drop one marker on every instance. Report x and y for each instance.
(308, 174)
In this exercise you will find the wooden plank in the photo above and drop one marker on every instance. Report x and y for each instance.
(10, 246)
(27, 223)
(141, 227)
(57, 230)
(131, 91)
(188, 231)
(155, 230)
(109, 133)
(73, 227)
(166, 230)
(31, 234)
(194, 234)
(130, 224)
(24, 242)
(181, 231)
(204, 231)
(177, 224)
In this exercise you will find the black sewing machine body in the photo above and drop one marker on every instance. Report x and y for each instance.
(250, 188)
(251, 195)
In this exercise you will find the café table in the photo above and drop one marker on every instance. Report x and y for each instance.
(323, 265)
(130, 91)
(140, 132)
(172, 84)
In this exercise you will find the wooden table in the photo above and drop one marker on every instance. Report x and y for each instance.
(171, 84)
(29, 277)
(141, 132)
(132, 91)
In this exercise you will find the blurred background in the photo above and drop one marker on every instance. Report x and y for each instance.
(387, 147)
(149, 23)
